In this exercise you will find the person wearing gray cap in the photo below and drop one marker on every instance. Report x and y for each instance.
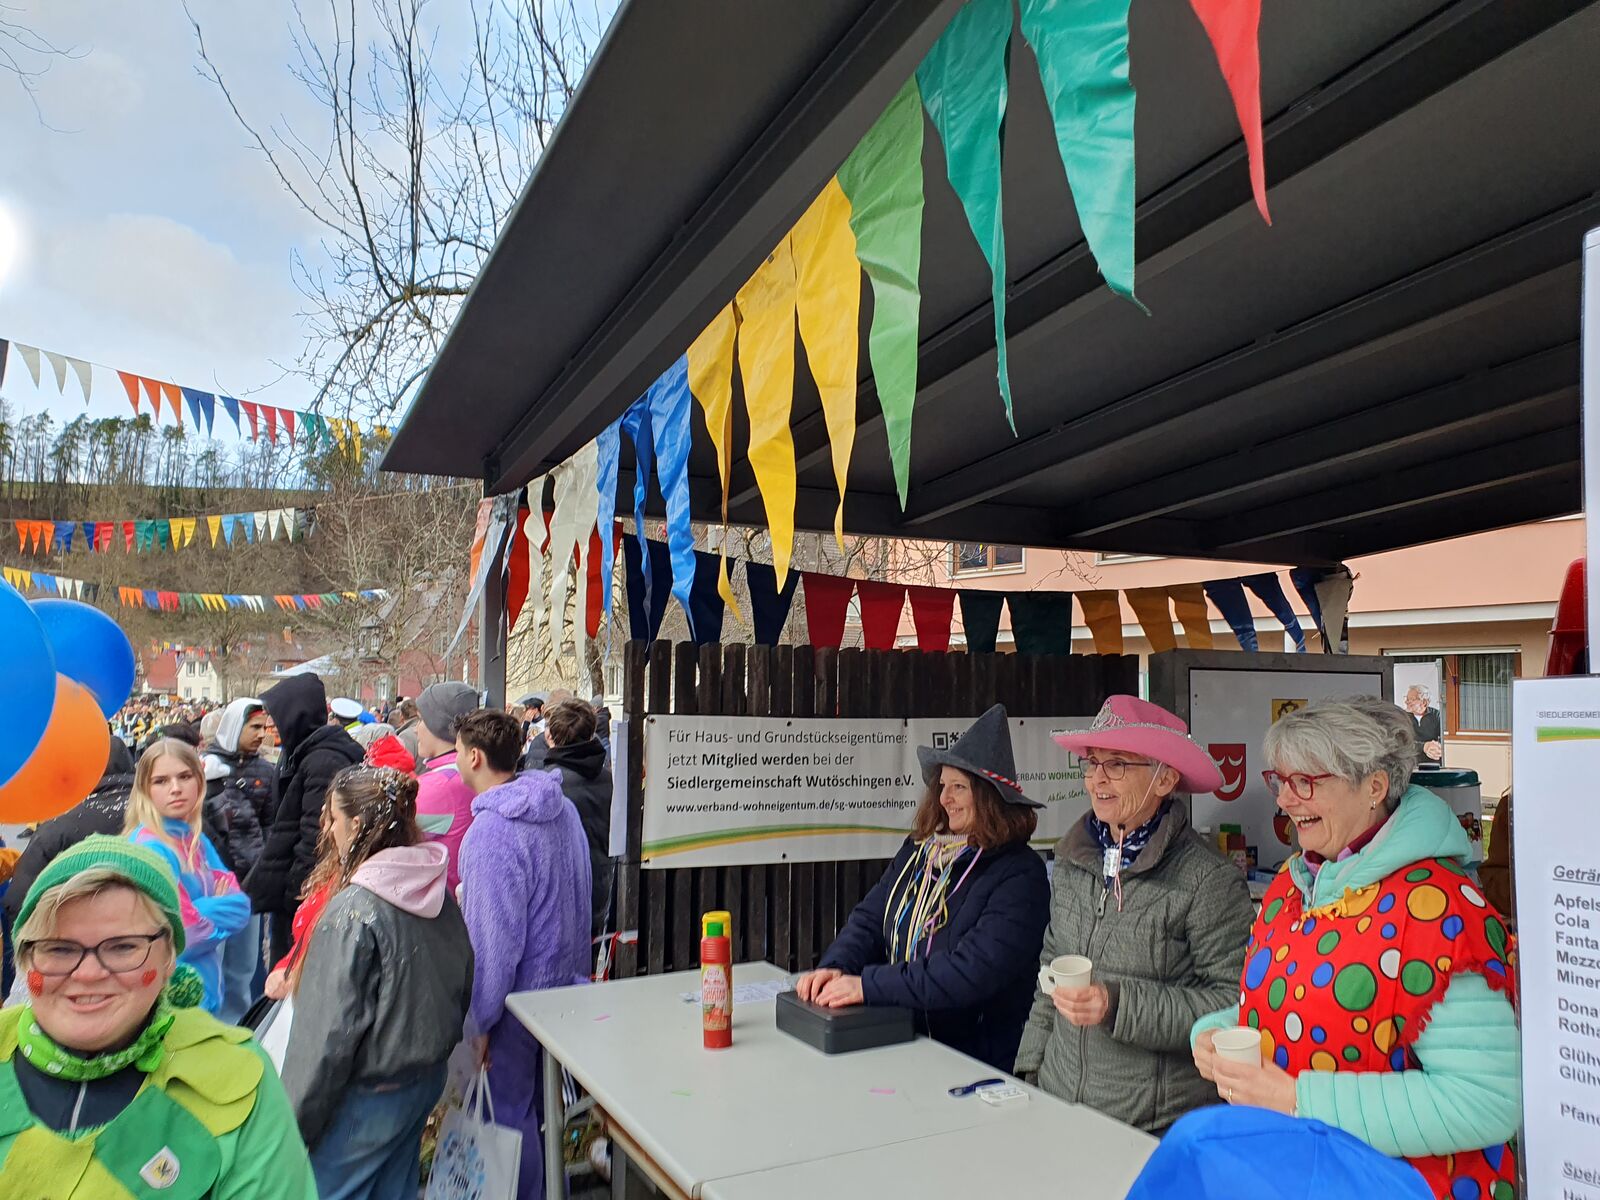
(444, 801)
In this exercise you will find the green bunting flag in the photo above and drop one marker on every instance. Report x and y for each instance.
(883, 180)
(1082, 48)
(964, 81)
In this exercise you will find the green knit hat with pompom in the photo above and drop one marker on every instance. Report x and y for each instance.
(144, 869)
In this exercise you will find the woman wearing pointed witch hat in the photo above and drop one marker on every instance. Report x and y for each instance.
(952, 930)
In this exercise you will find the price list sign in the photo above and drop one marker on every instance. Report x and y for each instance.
(1556, 856)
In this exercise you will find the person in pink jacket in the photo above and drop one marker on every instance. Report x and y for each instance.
(444, 801)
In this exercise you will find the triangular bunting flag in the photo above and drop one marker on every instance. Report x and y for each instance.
(827, 603)
(58, 367)
(1232, 26)
(932, 611)
(30, 355)
(152, 392)
(231, 407)
(249, 407)
(193, 399)
(271, 414)
(130, 384)
(287, 416)
(260, 519)
(881, 606)
(85, 374)
(172, 393)
(214, 524)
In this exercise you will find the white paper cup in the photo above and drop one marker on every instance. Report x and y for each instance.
(1068, 971)
(1239, 1044)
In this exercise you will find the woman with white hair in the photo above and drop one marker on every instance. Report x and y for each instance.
(1379, 977)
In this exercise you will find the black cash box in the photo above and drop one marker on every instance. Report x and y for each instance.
(840, 1030)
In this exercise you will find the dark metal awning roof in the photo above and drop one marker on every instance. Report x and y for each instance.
(1394, 361)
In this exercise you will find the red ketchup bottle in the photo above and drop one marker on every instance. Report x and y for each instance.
(716, 988)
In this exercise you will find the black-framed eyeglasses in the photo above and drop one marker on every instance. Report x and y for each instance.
(1114, 768)
(125, 952)
(1302, 785)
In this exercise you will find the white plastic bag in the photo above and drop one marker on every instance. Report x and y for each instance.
(273, 1032)
(476, 1159)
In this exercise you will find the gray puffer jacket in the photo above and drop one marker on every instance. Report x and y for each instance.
(385, 985)
(1174, 953)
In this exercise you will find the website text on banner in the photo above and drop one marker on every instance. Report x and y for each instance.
(731, 791)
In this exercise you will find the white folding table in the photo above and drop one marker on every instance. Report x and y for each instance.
(690, 1117)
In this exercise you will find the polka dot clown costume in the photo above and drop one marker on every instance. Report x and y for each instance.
(1344, 976)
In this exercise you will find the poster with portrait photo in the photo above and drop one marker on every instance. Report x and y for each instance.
(1419, 689)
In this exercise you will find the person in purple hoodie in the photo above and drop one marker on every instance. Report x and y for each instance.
(525, 897)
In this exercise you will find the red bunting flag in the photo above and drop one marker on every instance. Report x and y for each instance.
(127, 535)
(167, 601)
(130, 384)
(1232, 26)
(286, 415)
(932, 610)
(249, 407)
(827, 602)
(881, 606)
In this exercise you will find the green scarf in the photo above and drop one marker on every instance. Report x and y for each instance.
(44, 1055)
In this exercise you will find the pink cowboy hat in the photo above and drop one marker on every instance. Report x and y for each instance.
(1136, 726)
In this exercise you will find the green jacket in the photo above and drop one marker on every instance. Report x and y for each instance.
(1174, 951)
(1469, 1090)
(210, 1123)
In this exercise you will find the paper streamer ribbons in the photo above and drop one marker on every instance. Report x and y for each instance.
(883, 180)
(964, 88)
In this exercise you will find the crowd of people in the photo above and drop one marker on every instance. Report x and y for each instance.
(389, 899)
(384, 879)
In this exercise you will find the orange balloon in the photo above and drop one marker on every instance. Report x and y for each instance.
(67, 763)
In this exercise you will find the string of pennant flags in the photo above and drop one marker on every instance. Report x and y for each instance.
(316, 430)
(164, 533)
(1041, 621)
(161, 600)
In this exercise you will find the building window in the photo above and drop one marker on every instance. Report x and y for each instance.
(970, 558)
(1476, 687)
(1106, 557)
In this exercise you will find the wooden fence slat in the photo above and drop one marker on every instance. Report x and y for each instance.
(776, 882)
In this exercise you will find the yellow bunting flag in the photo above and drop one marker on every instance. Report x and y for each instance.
(1190, 601)
(182, 531)
(711, 384)
(214, 524)
(766, 363)
(828, 305)
(1155, 617)
(1102, 613)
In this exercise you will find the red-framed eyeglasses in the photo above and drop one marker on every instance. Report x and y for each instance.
(1303, 786)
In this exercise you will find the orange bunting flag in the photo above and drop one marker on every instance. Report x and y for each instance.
(130, 384)
(1102, 613)
(174, 398)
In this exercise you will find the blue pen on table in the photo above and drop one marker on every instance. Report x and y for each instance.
(972, 1087)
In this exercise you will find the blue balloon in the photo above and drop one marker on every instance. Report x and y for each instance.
(90, 648)
(27, 681)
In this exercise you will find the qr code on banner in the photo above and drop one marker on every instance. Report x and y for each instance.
(944, 740)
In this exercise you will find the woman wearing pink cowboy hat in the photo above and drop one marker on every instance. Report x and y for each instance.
(1161, 915)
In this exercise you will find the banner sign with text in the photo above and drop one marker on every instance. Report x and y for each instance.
(1555, 758)
(731, 791)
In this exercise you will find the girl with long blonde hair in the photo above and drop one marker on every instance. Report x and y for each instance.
(164, 813)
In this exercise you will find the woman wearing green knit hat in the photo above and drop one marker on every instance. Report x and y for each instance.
(112, 1085)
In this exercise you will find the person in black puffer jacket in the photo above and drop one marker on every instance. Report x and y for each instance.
(101, 812)
(241, 800)
(586, 782)
(314, 751)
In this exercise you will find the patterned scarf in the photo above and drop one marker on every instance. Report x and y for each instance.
(1133, 841)
(144, 1052)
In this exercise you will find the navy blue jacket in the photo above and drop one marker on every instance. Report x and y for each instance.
(973, 990)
